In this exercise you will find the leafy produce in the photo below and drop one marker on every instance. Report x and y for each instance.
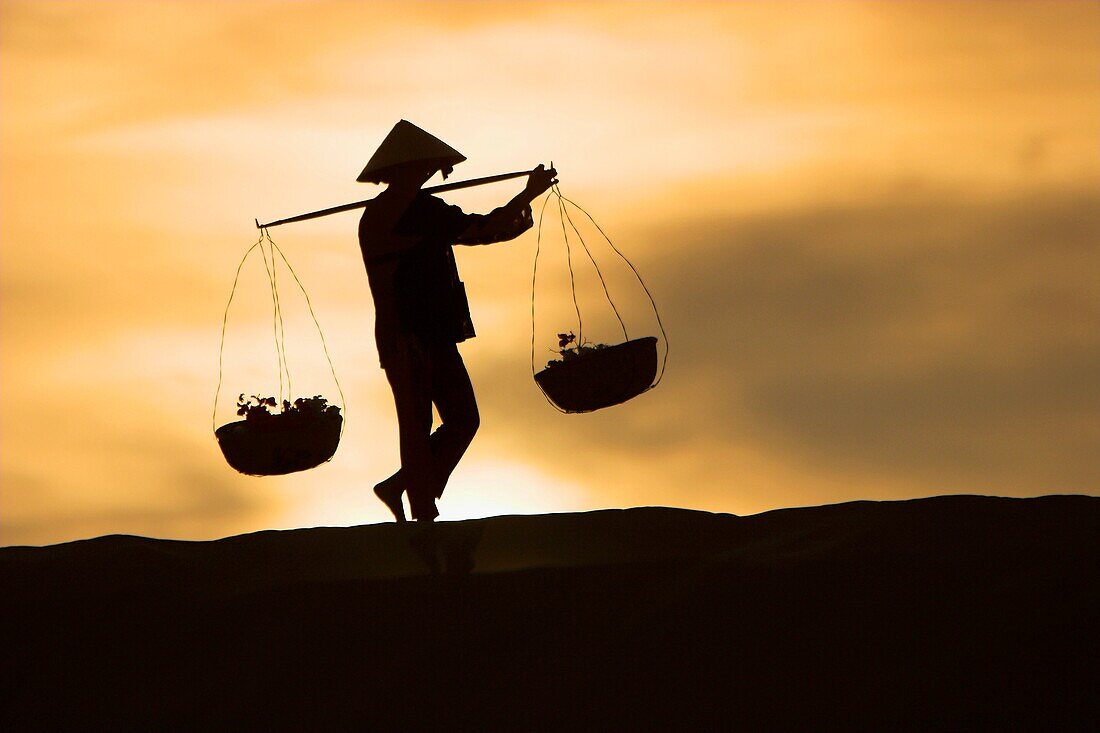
(261, 408)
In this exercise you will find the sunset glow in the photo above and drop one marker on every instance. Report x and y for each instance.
(871, 229)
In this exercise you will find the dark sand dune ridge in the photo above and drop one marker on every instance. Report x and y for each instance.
(956, 612)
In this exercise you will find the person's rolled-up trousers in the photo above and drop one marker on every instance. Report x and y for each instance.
(423, 375)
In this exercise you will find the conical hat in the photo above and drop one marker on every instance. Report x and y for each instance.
(407, 143)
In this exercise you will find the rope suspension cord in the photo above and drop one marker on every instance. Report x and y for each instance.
(572, 283)
(534, 274)
(626, 337)
(564, 213)
(280, 339)
(320, 332)
(280, 334)
(652, 302)
(225, 320)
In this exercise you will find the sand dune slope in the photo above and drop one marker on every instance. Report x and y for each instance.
(959, 611)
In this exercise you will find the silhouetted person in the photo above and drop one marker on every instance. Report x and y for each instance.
(421, 311)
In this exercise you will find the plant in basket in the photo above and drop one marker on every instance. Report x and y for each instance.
(570, 350)
(276, 439)
(258, 408)
(589, 376)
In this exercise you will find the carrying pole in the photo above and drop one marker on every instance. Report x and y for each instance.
(434, 189)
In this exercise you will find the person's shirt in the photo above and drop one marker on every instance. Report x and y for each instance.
(406, 245)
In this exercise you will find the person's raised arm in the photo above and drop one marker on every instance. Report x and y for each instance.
(512, 219)
(538, 183)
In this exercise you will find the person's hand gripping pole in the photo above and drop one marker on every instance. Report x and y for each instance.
(540, 180)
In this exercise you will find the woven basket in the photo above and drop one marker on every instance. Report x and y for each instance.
(281, 443)
(601, 378)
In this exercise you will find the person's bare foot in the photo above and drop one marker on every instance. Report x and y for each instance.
(389, 491)
(423, 507)
(426, 513)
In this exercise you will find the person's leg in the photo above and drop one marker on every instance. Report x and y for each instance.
(410, 381)
(453, 395)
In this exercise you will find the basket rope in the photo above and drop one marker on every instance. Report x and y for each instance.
(599, 274)
(534, 275)
(563, 212)
(277, 321)
(278, 324)
(652, 302)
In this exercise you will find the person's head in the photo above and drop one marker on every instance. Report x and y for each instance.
(409, 156)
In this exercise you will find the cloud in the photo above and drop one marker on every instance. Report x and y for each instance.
(107, 478)
(80, 67)
(904, 342)
(938, 342)
(112, 437)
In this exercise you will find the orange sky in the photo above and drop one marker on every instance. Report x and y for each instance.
(871, 228)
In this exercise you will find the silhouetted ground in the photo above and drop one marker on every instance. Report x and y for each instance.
(955, 612)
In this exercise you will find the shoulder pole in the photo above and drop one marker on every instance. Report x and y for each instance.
(360, 204)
